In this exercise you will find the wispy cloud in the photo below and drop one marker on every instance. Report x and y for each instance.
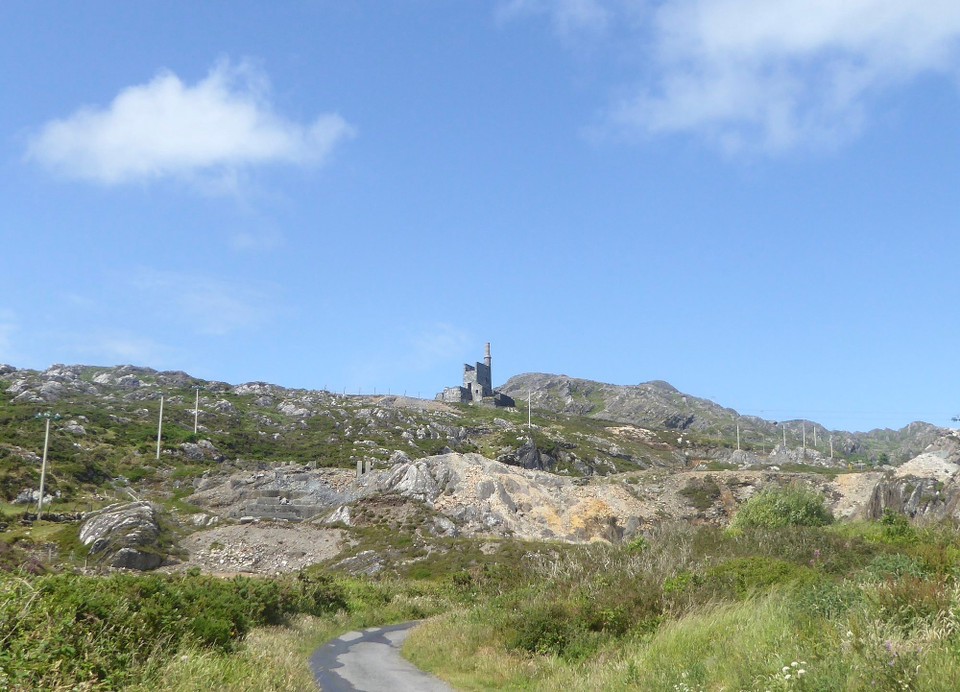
(772, 75)
(208, 305)
(120, 347)
(256, 241)
(411, 352)
(569, 18)
(207, 132)
(437, 343)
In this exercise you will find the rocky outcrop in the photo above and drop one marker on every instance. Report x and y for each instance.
(126, 535)
(260, 548)
(926, 487)
(656, 404)
(528, 456)
(483, 496)
(202, 450)
(290, 492)
(469, 494)
(29, 496)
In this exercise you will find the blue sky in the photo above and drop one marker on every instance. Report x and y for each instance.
(755, 200)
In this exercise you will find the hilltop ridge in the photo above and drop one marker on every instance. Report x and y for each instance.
(659, 404)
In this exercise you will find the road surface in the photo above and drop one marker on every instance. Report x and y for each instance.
(370, 661)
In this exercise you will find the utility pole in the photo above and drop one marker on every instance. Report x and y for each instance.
(529, 410)
(43, 468)
(196, 411)
(160, 427)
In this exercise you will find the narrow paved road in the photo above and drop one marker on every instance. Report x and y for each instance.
(370, 661)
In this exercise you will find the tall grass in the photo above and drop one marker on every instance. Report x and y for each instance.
(856, 607)
(270, 659)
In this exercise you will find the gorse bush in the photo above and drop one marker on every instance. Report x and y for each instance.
(66, 630)
(794, 505)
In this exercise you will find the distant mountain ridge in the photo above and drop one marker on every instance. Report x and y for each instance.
(658, 404)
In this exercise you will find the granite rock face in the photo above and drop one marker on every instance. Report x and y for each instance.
(529, 456)
(126, 535)
(926, 487)
(485, 497)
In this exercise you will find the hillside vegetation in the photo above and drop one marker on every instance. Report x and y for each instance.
(619, 541)
(870, 605)
(105, 434)
(796, 607)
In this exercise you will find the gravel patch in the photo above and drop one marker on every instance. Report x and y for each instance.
(260, 548)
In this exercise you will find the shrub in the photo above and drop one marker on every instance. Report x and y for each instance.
(70, 631)
(637, 545)
(794, 505)
(825, 598)
(896, 527)
(701, 492)
(553, 629)
(542, 630)
(910, 604)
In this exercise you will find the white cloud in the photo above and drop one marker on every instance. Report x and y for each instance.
(775, 74)
(207, 305)
(165, 128)
(769, 75)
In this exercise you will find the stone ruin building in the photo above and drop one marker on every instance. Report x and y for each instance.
(477, 386)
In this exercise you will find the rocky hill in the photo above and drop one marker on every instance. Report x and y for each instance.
(104, 431)
(596, 462)
(661, 406)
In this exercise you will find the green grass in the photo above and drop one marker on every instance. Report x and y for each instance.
(866, 605)
(704, 609)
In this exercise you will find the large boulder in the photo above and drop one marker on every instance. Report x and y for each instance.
(202, 450)
(529, 456)
(127, 535)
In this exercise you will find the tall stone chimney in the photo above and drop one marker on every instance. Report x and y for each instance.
(486, 356)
